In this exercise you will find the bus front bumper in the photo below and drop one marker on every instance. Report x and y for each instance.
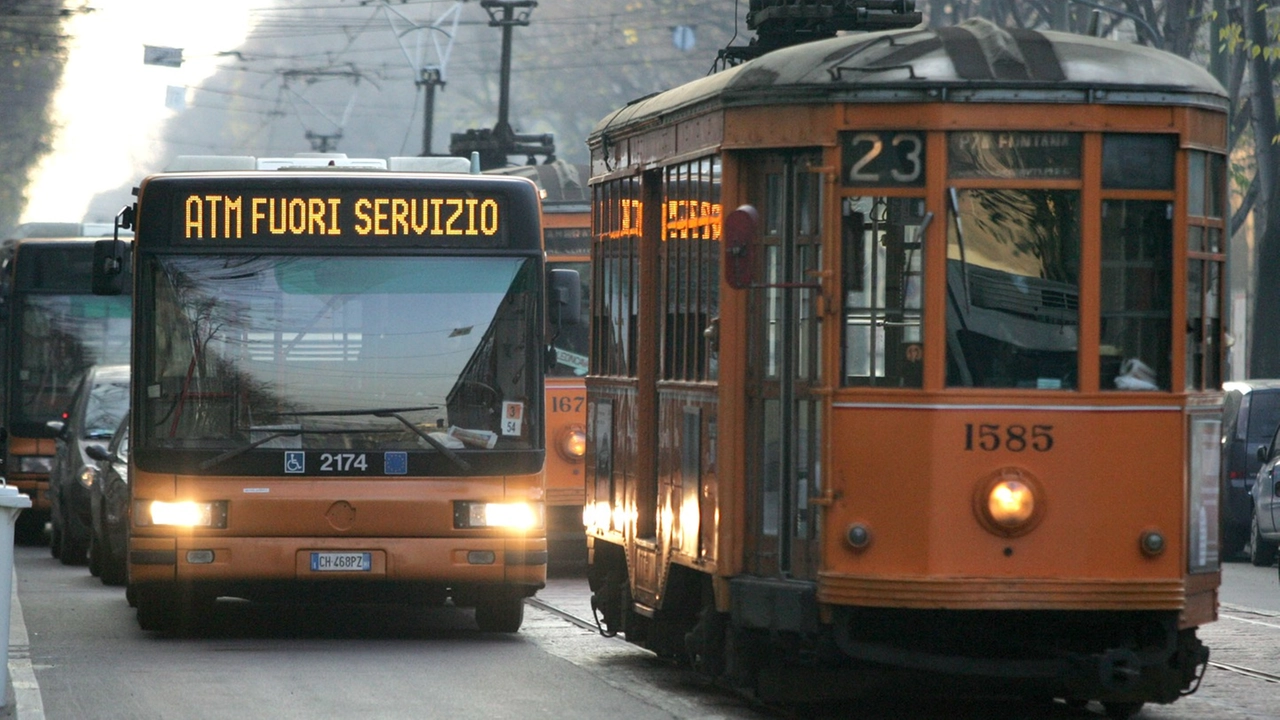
(250, 566)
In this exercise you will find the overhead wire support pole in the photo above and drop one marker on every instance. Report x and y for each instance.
(508, 19)
(494, 146)
(430, 76)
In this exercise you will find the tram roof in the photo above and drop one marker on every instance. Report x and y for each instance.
(975, 61)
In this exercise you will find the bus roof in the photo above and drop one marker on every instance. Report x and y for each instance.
(227, 163)
(65, 230)
(975, 61)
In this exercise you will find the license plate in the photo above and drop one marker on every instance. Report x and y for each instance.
(341, 562)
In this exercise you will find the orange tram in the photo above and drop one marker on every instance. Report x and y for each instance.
(878, 419)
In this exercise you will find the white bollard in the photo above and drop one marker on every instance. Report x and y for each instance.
(12, 502)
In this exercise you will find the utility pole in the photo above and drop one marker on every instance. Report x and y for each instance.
(430, 79)
(495, 145)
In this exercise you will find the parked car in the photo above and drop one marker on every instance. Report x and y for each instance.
(109, 508)
(1266, 506)
(96, 408)
(1251, 414)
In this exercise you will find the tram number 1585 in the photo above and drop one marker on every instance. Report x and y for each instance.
(990, 437)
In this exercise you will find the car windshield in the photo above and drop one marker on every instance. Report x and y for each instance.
(352, 353)
(108, 400)
(1264, 415)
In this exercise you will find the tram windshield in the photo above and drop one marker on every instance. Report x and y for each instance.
(1013, 259)
(355, 353)
(61, 336)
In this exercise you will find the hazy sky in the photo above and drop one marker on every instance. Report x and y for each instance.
(110, 107)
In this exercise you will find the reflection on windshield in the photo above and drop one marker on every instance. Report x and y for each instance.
(1013, 259)
(245, 348)
(108, 401)
(573, 343)
(62, 336)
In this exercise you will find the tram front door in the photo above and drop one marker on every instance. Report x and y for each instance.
(784, 426)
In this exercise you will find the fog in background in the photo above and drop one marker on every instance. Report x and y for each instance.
(346, 73)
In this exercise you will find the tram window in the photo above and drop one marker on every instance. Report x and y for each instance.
(1206, 187)
(1137, 294)
(1013, 259)
(1138, 162)
(883, 265)
(690, 260)
(617, 226)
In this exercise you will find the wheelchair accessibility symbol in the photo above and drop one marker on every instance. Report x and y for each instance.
(295, 461)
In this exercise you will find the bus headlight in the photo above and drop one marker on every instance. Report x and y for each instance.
(180, 514)
(35, 463)
(1009, 502)
(87, 476)
(573, 443)
(512, 516)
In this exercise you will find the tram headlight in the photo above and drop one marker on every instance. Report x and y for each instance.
(1009, 502)
(573, 443)
(512, 516)
(180, 514)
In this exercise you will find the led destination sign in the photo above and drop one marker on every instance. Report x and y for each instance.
(217, 216)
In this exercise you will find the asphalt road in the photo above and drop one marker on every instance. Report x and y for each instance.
(76, 652)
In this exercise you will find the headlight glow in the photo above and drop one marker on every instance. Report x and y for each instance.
(573, 443)
(1009, 502)
(87, 476)
(182, 514)
(519, 516)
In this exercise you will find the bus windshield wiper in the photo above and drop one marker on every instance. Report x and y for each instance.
(395, 413)
(236, 452)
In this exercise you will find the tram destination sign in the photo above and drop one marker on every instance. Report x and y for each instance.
(238, 212)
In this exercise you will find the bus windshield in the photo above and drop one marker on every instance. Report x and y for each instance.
(61, 336)
(338, 352)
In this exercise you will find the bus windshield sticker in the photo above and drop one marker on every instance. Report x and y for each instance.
(295, 461)
(512, 418)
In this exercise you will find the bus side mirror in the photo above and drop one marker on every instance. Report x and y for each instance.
(1264, 453)
(566, 297)
(109, 267)
(740, 228)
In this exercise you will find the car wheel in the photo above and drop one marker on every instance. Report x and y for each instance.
(55, 539)
(71, 551)
(111, 566)
(1261, 552)
(504, 615)
(95, 555)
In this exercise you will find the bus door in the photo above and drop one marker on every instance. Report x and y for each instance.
(784, 428)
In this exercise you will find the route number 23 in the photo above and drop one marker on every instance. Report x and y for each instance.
(1014, 438)
(883, 158)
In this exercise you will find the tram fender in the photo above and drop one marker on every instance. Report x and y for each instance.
(770, 604)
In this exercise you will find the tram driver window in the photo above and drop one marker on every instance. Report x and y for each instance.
(882, 249)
